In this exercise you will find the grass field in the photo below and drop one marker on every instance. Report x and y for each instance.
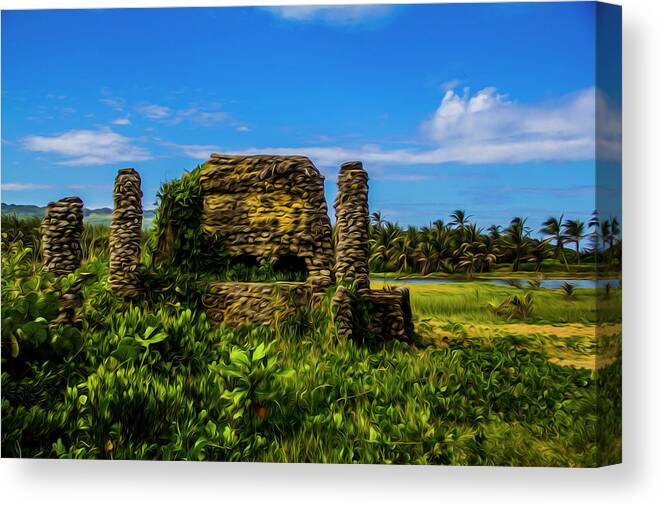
(582, 330)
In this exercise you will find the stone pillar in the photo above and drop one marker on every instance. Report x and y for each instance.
(61, 231)
(407, 313)
(126, 235)
(68, 305)
(342, 311)
(352, 226)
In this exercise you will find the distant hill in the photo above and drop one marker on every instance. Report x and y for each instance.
(23, 210)
(92, 216)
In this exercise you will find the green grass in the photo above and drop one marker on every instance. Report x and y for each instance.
(154, 379)
(468, 302)
(504, 273)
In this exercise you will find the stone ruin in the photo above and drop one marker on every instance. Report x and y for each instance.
(126, 235)
(269, 208)
(61, 232)
(273, 208)
(265, 208)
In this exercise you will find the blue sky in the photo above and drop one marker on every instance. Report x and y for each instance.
(486, 107)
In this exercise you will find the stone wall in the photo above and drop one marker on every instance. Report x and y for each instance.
(269, 208)
(352, 226)
(342, 311)
(126, 235)
(61, 232)
(389, 314)
(239, 303)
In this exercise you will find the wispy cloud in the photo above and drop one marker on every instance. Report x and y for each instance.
(197, 151)
(450, 85)
(194, 114)
(333, 15)
(88, 147)
(121, 121)
(154, 111)
(115, 103)
(90, 186)
(199, 116)
(22, 187)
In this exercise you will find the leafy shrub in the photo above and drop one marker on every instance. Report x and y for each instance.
(513, 307)
(30, 299)
(155, 379)
(179, 239)
(23, 229)
(568, 290)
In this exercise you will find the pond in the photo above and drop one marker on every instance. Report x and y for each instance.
(545, 284)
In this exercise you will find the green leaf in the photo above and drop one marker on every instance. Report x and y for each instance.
(259, 352)
(285, 373)
(127, 349)
(34, 332)
(14, 346)
(67, 339)
(240, 356)
(155, 339)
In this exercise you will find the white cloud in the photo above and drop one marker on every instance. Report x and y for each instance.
(450, 85)
(90, 186)
(19, 187)
(199, 116)
(487, 120)
(115, 103)
(333, 15)
(121, 121)
(481, 128)
(243, 128)
(202, 117)
(154, 111)
(88, 147)
(198, 151)
(487, 128)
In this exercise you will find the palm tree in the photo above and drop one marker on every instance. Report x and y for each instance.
(383, 244)
(517, 238)
(495, 231)
(538, 253)
(459, 218)
(472, 233)
(552, 227)
(575, 231)
(377, 219)
(468, 262)
(615, 231)
(594, 224)
(492, 250)
(605, 233)
(425, 256)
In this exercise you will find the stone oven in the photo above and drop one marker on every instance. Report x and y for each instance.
(269, 208)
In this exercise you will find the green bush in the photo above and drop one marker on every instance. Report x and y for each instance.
(155, 379)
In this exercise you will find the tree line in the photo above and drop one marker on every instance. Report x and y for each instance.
(460, 246)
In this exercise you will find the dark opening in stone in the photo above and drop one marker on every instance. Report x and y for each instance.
(245, 260)
(291, 265)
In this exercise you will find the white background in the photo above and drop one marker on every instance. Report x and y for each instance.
(636, 482)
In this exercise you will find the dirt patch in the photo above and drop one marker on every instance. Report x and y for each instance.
(561, 331)
(567, 344)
